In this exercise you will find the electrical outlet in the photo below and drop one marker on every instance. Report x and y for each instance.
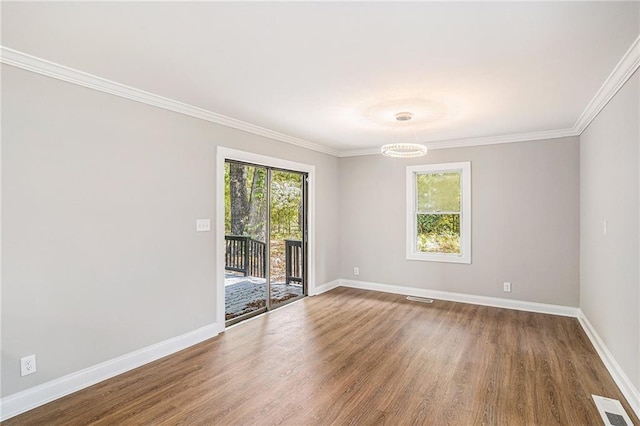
(507, 287)
(356, 271)
(27, 365)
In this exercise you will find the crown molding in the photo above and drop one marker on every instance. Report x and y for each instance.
(513, 138)
(358, 152)
(50, 69)
(618, 77)
(625, 68)
(490, 140)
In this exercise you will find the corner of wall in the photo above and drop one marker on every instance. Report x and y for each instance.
(622, 380)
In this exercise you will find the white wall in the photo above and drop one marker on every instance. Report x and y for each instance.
(99, 201)
(609, 190)
(525, 222)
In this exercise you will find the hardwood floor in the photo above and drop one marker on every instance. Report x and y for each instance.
(358, 357)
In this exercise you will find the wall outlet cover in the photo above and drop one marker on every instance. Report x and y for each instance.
(27, 365)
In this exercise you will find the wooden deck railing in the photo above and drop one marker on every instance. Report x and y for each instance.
(246, 255)
(293, 260)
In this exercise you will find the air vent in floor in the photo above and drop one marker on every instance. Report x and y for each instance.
(611, 411)
(419, 299)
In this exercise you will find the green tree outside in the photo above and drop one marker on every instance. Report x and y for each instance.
(438, 212)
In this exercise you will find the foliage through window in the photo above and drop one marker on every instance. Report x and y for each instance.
(245, 201)
(438, 212)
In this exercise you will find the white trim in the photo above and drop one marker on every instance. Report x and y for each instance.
(519, 305)
(224, 153)
(621, 73)
(359, 152)
(70, 75)
(489, 140)
(219, 228)
(627, 388)
(326, 287)
(625, 68)
(28, 399)
(513, 138)
(465, 211)
(18, 403)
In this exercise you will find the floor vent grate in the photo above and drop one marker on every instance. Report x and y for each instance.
(611, 411)
(419, 299)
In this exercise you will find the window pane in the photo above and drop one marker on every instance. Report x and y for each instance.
(438, 192)
(438, 233)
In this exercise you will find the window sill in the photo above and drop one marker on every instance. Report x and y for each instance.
(443, 258)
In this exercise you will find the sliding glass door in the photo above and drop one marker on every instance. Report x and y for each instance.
(286, 228)
(246, 202)
(265, 238)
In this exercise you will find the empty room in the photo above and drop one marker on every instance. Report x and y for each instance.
(320, 213)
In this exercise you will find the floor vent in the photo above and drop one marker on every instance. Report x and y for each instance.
(419, 299)
(611, 411)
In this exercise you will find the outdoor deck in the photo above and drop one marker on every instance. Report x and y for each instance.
(246, 267)
(247, 294)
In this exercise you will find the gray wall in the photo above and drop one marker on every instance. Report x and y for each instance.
(609, 190)
(525, 222)
(100, 195)
(99, 200)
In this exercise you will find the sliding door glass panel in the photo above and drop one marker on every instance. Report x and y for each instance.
(246, 260)
(287, 228)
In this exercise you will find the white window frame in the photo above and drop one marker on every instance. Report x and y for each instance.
(465, 221)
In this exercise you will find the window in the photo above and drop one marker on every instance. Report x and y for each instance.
(439, 212)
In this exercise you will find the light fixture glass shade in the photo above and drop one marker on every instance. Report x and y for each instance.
(404, 150)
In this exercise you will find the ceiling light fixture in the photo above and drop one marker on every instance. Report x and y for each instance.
(404, 150)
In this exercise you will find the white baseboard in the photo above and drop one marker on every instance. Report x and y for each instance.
(622, 380)
(326, 287)
(28, 399)
(519, 305)
(18, 403)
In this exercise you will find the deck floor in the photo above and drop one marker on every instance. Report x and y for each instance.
(247, 294)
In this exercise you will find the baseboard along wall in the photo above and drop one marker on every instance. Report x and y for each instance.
(464, 298)
(326, 287)
(622, 380)
(23, 401)
(36, 396)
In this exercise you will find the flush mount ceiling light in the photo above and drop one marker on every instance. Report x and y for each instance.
(404, 150)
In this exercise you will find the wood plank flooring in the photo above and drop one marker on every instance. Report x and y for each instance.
(357, 357)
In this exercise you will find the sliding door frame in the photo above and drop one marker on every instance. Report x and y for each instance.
(223, 154)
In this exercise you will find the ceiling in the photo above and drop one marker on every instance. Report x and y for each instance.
(334, 74)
